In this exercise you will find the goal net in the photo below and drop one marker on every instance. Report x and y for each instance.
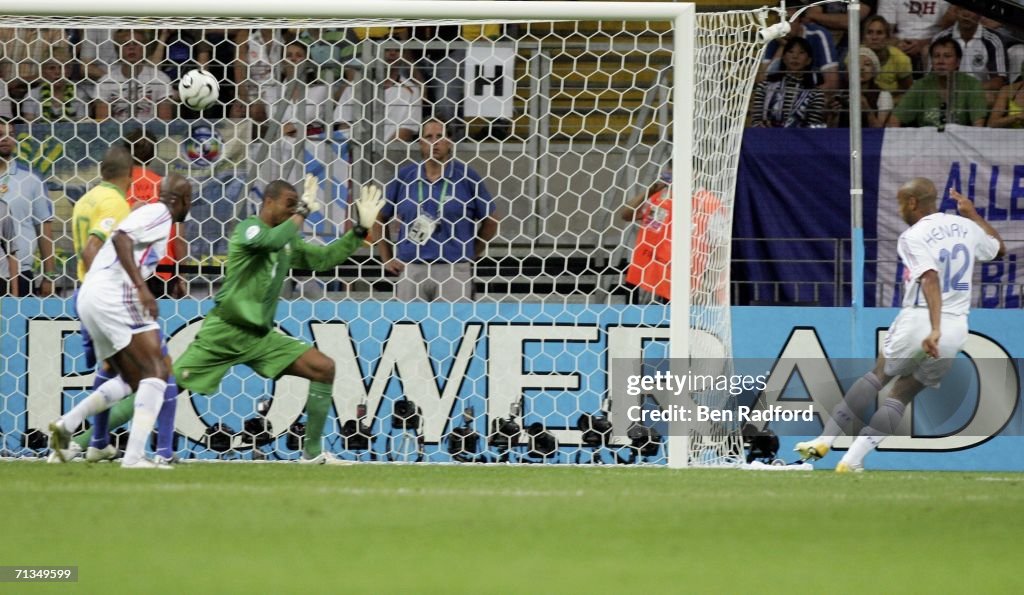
(520, 270)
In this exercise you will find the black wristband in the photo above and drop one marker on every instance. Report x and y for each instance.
(359, 231)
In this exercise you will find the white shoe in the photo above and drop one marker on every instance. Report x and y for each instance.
(145, 463)
(324, 458)
(72, 451)
(165, 461)
(60, 441)
(95, 455)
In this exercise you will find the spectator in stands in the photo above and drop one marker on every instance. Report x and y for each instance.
(6, 106)
(875, 104)
(8, 259)
(835, 17)
(304, 110)
(402, 97)
(1008, 111)
(787, 98)
(55, 97)
(1015, 62)
(98, 51)
(895, 73)
(944, 96)
(824, 58)
(916, 24)
(333, 50)
(445, 218)
(145, 189)
(173, 52)
(306, 99)
(31, 210)
(133, 88)
(262, 52)
(983, 53)
(23, 49)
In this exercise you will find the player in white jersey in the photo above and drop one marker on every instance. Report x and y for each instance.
(120, 313)
(938, 253)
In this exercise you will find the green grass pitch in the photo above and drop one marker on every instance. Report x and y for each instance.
(285, 528)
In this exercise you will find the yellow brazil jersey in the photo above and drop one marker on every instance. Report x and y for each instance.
(97, 213)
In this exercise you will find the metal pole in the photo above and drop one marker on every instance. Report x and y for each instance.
(683, 87)
(856, 175)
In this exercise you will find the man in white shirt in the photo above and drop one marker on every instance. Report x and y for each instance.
(916, 23)
(938, 253)
(402, 96)
(120, 313)
(984, 55)
(133, 88)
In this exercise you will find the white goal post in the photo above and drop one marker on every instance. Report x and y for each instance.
(713, 60)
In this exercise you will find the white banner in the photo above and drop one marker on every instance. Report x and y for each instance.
(490, 81)
(985, 164)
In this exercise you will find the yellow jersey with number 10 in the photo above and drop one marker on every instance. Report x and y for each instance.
(97, 213)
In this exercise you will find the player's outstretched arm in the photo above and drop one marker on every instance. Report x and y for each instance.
(319, 258)
(965, 207)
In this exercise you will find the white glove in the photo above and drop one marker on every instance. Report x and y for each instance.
(308, 203)
(368, 205)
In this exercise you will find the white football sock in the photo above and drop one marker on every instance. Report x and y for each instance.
(883, 424)
(101, 399)
(148, 400)
(854, 407)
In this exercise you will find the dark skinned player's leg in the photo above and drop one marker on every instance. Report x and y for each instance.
(142, 366)
(319, 370)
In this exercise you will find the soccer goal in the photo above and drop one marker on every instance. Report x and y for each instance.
(565, 111)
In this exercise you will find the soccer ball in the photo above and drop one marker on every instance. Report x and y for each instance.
(198, 89)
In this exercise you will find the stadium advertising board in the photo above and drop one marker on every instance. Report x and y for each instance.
(553, 362)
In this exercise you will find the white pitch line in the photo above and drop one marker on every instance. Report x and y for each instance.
(71, 487)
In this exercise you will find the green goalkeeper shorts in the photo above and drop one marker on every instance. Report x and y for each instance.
(221, 345)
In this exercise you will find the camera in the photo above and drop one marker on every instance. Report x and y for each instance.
(463, 440)
(406, 415)
(596, 429)
(542, 444)
(644, 440)
(218, 437)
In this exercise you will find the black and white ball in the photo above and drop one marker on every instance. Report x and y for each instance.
(198, 89)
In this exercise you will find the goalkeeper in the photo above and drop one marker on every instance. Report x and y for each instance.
(240, 327)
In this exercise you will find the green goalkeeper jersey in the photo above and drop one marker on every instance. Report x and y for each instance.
(259, 258)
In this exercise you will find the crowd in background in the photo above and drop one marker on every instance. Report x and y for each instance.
(921, 64)
(306, 75)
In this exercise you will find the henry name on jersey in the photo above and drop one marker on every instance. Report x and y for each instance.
(940, 231)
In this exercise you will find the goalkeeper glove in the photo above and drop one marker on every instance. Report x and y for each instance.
(308, 203)
(368, 206)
